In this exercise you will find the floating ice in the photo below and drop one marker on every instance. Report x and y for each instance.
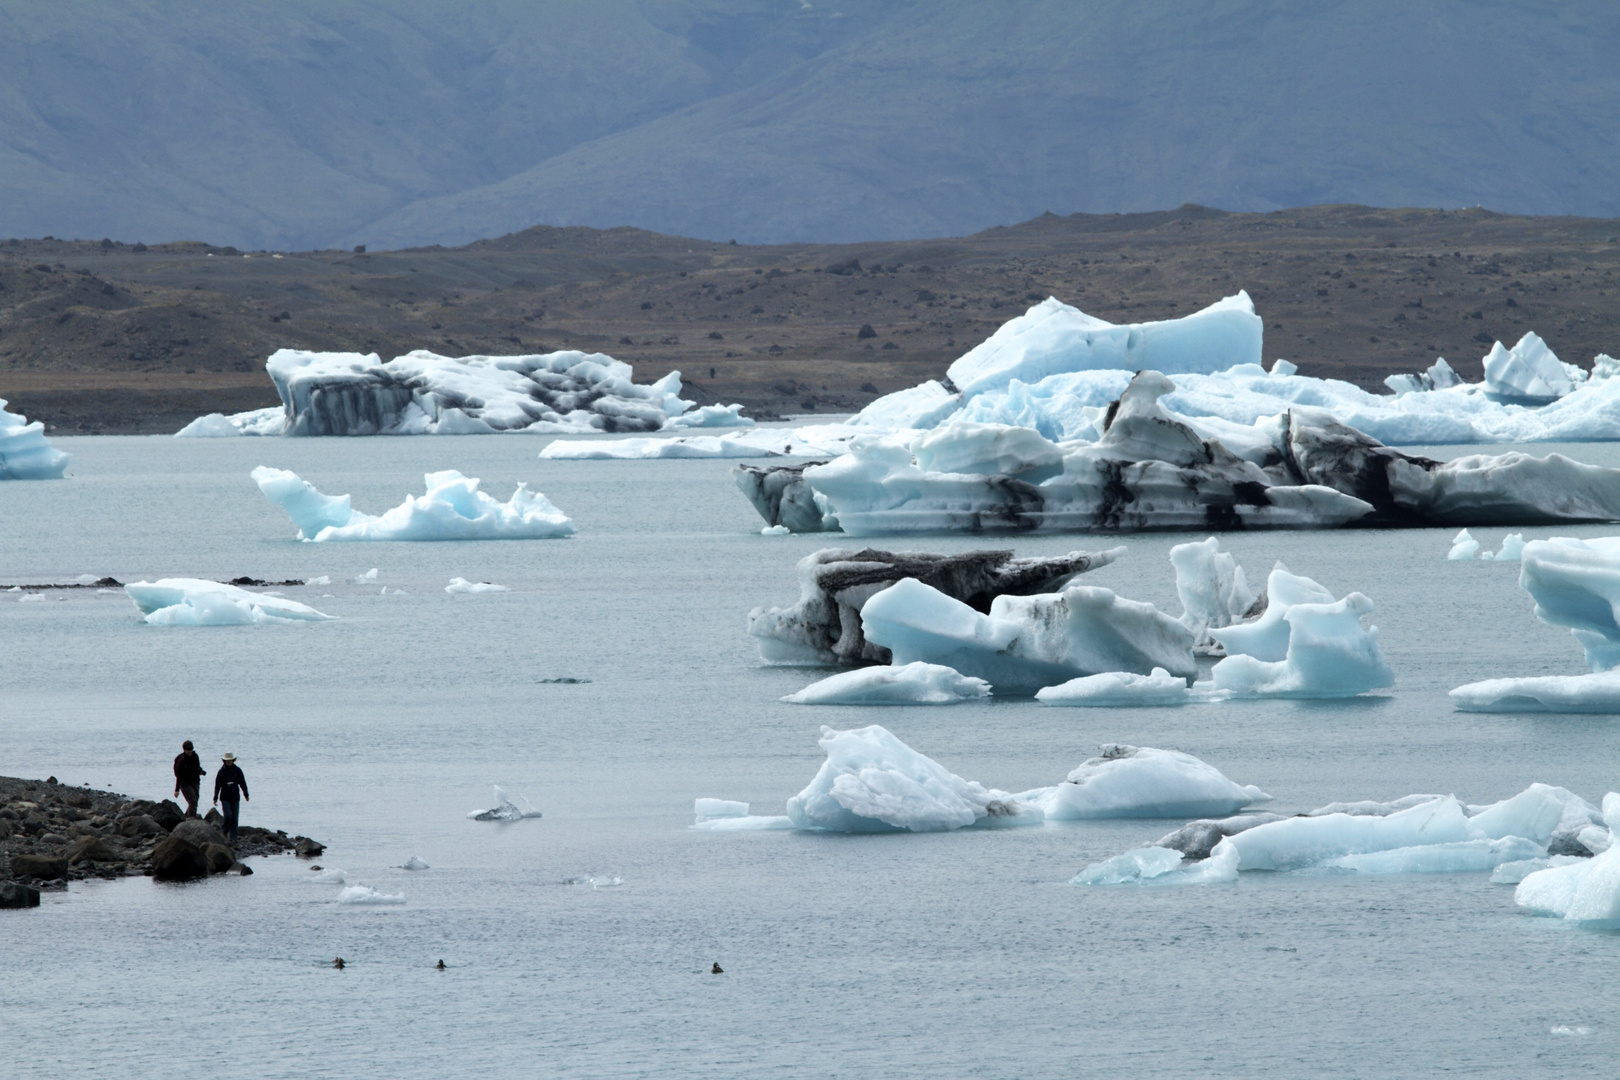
(1142, 782)
(719, 808)
(25, 453)
(1330, 654)
(324, 579)
(1266, 637)
(1463, 546)
(1028, 642)
(413, 863)
(452, 509)
(1459, 857)
(31, 598)
(1529, 372)
(1118, 689)
(422, 393)
(367, 578)
(1161, 866)
(1584, 892)
(1594, 693)
(195, 602)
(462, 585)
(330, 876)
(750, 444)
(505, 809)
(1511, 873)
(1512, 549)
(1212, 589)
(1310, 841)
(365, 894)
(824, 627)
(916, 683)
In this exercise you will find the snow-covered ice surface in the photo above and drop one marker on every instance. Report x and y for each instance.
(423, 393)
(916, 683)
(25, 452)
(451, 509)
(196, 602)
(1142, 782)
(1026, 643)
(506, 809)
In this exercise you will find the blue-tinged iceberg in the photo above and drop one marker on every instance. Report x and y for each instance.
(916, 683)
(451, 509)
(196, 602)
(25, 453)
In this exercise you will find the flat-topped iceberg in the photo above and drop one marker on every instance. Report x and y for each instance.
(1118, 689)
(1026, 643)
(423, 393)
(196, 602)
(451, 509)
(1142, 782)
(909, 684)
(824, 627)
(25, 453)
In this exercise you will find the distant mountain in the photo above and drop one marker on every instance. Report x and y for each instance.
(303, 123)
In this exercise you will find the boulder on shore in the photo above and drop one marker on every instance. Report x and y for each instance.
(15, 895)
(43, 867)
(307, 848)
(178, 859)
(220, 858)
(92, 849)
(140, 825)
(199, 832)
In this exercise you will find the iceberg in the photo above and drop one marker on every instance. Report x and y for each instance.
(1311, 841)
(1118, 689)
(423, 393)
(452, 509)
(1594, 693)
(1142, 782)
(25, 452)
(1529, 372)
(505, 809)
(909, 684)
(1330, 654)
(873, 782)
(414, 863)
(719, 808)
(462, 585)
(1266, 637)
(1159, 866)
(365, 894)
(1463, 546)
(1026, 643)
(824, 627)
(195, 602)
(1585, 892)
(1459, 857)
(1212, 590)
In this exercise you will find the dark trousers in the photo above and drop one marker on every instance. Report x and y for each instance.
(189, 793)
(231, 807)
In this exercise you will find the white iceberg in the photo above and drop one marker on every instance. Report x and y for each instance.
(25, 453)
(452, 509)
(1118, 689)
(366, 895)
(1529, 372)
(422, 393)
(1598, 692)
(1161, 866)
(462, 585)
(414, 863)
(505, 809)
(1457, 857)
(1142, 782)
(1026, 643)
(1512, 549)
(1463, 546)
(1586, 892)
(1330, 654)
(916, 683)
(1212, 588)
(195, 602)
(1311, 841)
(1266, 637)
(753, 443)
(719, 808)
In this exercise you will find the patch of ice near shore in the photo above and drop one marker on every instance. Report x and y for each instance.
(462, 585)
(1118, 689)
(25, 452)
(1026, 643)
(422, 393)
(196, 602)
(505, 809)
(917, 683)
(1586, 892)
(1142, 782)
(365, 894)
(452, 509)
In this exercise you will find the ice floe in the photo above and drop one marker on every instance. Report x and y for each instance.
(505, 809)
(462, 585)
(916, 683)
(1118, 689)
(452, 509)
(414, 863)
(1585, 892)
(1463, 546)
(422, 393)
(366, 895)
(1142, 782)
(1026, 643)
(196, 602)
(25, 452)
(824, 627)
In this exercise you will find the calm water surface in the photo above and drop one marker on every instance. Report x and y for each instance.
(960, 954)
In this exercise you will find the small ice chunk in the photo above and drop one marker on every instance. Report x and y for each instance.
(1463, 547)
(1512, 548)
(1330, 654)
(196, 602)
(1511, 873)
(329, 876)
(1284, 368)
(1266, 638)
(25, 452)
(916, 683)
(31, 598)
(365, 894)
(1118, 689)
(1143, 782)
(719, 808)
(324, 579)
(751, 823)
(1212, 589)
(451, 509)
(505, 809)
(462, 585)
(1598, 692)
(367, 578)
(413, 863)
(776, 530)
(1310, 841)
(1161, 866)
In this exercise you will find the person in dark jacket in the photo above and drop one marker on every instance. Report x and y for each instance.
(188, 774)
(230, 786)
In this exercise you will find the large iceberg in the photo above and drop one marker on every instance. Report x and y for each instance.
(909, 684)
(1026, 643)
(824, 627)
(1575, 584)
(25, 453)
(423, 393)
(1142, 782)
(452, 509)
(196, 602)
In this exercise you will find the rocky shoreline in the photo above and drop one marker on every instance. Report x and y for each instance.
(52, 833)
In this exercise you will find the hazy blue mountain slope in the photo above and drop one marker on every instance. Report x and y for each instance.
(303, 123)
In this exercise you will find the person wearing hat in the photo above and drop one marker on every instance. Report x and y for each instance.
(230, 785)
(188, 774)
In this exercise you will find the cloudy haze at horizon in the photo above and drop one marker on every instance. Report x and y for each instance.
(299, 125)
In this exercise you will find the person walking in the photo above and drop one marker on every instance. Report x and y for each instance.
(188, 774)
(230, 785)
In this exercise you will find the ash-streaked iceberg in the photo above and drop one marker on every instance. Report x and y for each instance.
(25, 452)
(505, 809)
(908, 684)
(196, 602)
(824, 627)
(423, 393)
(451, 509)
(1026, 643)
(1143, 782)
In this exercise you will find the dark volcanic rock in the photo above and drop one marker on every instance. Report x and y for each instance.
(140, 825)
(92, 849)
(178, 860)
(199, 832)
(14, 895)
(307, 848)
(43, 867)
(835, 583)
(220, 858)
